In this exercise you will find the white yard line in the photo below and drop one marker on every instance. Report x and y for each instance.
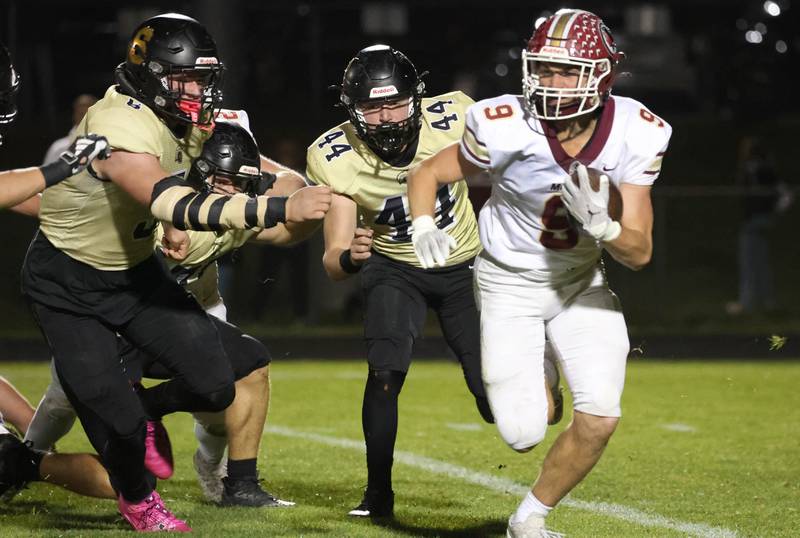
(505, 485)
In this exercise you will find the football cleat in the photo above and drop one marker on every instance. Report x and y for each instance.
(209, 475)
(533, 527)
(158, 450)
(18, 463)
(248, 492)
(150, 515)
(374, 504)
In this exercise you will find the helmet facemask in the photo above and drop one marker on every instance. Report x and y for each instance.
(177, 102)
(391, 138)
(548, 103)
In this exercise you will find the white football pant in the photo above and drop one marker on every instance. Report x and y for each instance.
(584, 324)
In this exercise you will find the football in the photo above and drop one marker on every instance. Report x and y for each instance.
(614, 196)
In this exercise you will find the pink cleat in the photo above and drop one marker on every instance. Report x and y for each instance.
(158, 451)
(150, 515)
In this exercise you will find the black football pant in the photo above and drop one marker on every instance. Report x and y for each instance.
(396, 298)
(80, 310)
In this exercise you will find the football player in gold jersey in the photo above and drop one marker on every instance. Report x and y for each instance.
(91, 272)
(368, 230)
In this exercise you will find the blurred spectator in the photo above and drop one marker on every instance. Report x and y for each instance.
(765, 198)
(79, 107)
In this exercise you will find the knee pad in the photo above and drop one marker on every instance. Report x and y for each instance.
(603, 400)
(219, 400)
(389, 382)
(521, 424)
(390, 354)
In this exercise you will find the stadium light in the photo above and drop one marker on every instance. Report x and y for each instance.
(501, 70)
(754, 37)
(780, 46)
(761, 28)
(772, 8)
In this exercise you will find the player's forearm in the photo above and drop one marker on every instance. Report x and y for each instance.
(175, 202)
(422, 184)
(633, 248)
(331, 260)
(16, 186)
(29, 207)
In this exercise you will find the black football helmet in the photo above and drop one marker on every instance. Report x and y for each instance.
(9, 85)
(381, 73)
(231, 153)
(178, 47)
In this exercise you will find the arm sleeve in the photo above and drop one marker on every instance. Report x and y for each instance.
(472, 144)
(187, 209)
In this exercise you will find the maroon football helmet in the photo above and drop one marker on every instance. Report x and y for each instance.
(569, 39)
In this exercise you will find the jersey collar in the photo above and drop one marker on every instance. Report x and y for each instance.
(592, 149)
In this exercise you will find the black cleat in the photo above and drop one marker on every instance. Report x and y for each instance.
(484, 409)
(18, 464)
(248, 492)
(374, 504)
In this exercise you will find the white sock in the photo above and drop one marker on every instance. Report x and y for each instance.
(211, 447)
(2, 428)
(530, 505)
(52, 420)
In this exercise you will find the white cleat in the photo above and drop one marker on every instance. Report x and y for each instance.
(533, 527)
(209, 475)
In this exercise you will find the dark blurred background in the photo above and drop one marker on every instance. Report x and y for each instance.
(722, 73)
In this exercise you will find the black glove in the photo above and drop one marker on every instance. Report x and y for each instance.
(83, 150)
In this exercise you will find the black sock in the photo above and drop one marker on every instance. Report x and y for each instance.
(238, 469)
(29, 470)
(379, 421)
(124, 458)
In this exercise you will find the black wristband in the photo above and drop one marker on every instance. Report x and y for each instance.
(276, 211)
(347, 263)
(55, 172)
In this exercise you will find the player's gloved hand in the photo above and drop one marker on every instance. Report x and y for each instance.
(83, 150)
(588, 207)
(308, 203)
(431, 245)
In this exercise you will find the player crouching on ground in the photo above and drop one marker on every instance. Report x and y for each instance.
(537, 273)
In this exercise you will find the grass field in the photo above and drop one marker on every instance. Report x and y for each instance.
(707, 449)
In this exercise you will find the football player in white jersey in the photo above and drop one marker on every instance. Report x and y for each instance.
(539, 274)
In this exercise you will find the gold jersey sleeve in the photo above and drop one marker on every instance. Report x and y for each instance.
(339, 159)
(95, 221)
